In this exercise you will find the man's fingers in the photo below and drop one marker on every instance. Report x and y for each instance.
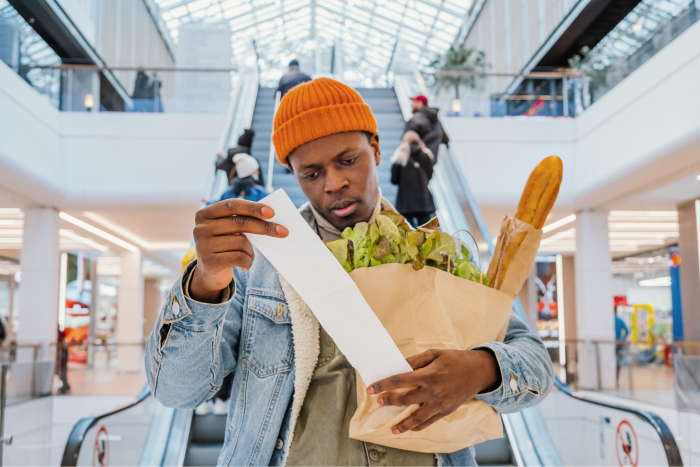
(417, 418)
(422, 359)
(405, 380)
(245, 224)
(233, 258)
(432, 420)
(416, 396)
(225, 243)
(236, 207)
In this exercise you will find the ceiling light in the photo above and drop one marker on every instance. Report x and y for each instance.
(664, 281)
(636, 242)
(622, 226)
(643, 234)
(280, 22)
(83, 240)
(623, 248)
(637, 27)
(146, 245)
(11, 232)
(644, 213)
(559, 223)
(11, 223)
(98, 232)
(558, 236)
(10, 211)
(558, 248)
(697, 178)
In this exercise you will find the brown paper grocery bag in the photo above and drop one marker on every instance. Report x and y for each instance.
(432, 309)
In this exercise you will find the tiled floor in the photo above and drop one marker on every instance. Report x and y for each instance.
(104, 381)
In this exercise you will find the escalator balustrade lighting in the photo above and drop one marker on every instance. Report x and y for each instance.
(98, 232)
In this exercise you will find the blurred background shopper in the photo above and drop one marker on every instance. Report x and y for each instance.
(293, 78)
(425, 122)
(246, 180)
(412, 169)
(227, 164)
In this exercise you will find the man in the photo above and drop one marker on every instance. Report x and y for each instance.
(293, 78)
(294, 391)
(425, 122)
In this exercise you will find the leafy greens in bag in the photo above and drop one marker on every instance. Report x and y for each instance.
(392, 240)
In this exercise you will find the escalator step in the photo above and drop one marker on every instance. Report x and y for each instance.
(208, 429)
(202, 454)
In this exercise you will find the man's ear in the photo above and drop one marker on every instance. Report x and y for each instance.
(375, 148)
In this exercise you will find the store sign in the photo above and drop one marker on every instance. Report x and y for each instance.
(626, 445)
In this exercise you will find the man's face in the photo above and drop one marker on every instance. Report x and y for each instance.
(416, 105)
(338, 174)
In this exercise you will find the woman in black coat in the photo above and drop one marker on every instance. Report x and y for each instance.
(412, 169)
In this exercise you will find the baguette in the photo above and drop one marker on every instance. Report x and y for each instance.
(536, 202)
(540, 192)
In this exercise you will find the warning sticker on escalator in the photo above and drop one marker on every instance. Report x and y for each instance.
(100, 453)
(626, 445)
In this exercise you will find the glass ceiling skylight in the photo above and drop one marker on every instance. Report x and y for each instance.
(638, 27)
(354, 38)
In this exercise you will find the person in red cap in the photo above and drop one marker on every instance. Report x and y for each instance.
(425, 122)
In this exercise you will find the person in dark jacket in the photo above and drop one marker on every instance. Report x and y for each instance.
(412, 169)
(293, 78)
(227, 164)
(425, 122)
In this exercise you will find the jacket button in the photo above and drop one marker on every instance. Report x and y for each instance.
(279, 444)
(374, 455)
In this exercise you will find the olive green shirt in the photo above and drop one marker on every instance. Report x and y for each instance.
(321, 434)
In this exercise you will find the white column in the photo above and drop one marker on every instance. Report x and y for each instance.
(130, 312)
(38, 312)
(689, 246)
(594, 300)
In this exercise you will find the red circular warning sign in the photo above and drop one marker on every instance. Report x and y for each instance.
(626, 446)
(100, 452)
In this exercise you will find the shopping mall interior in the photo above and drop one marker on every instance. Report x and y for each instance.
(112, 113)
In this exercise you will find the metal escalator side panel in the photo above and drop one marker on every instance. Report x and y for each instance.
(539, 435)
(178, 438)
(93, 429)
(655, 427)
(157, 438)
(523, 448)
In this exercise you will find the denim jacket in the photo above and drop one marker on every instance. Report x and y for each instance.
(268, 337)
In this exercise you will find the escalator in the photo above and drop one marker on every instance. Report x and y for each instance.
(568, 428)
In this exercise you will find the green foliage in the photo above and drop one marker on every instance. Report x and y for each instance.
(458, 59)
(577, 60)
(392, 240)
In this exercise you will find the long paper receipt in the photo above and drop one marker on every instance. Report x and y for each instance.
(321, 281)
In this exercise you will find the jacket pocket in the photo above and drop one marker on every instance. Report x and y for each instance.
(267, 347)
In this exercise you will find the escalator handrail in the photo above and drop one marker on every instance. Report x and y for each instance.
(673, 454)
(476, 212)
(80, 429)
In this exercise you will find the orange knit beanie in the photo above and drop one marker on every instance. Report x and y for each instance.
(316, 109)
